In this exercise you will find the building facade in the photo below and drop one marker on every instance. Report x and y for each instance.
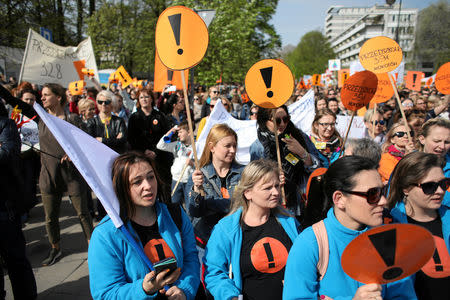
(347, 28)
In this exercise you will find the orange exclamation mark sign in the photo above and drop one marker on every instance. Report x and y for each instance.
(175, 23)
(385, 243)
(269, 254)
(414, 80)
(266, 74)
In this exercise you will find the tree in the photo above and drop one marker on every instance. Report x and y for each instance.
(311, 55)
(432, 34)
(239, 36)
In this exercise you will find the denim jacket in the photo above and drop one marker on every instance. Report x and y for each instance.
(208, 210)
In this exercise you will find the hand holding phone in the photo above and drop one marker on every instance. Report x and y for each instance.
(167, 263)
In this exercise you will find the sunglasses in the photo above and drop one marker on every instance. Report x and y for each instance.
(373, 195)
(215, 92)
(429, 188)
(285, 119)
(381, 122)
(253, 113)
(107, 102)
(403, 133)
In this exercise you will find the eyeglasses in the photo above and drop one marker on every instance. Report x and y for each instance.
(107, 102)
(403, 133)
(327, 124)
(285, 119)
(429, 188)
(373, 195)
(381, 122)
(215, 92)
(253, 113)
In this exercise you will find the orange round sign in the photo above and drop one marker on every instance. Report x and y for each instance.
(269, 83)
(358, 90)
(387, 253)
(268, 255)
(442, 80)
(181, 38)
(439, 264)
(384, 89)
(380, 54)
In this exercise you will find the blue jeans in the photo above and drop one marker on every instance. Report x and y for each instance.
(178, 196)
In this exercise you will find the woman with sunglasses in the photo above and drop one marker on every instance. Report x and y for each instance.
(417, 189)
(145, 128)
(325, 136)
(396, 146)
(375, 125)
(299, 156)
(354, 188)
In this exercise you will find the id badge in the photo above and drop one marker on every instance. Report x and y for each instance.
(292, 159)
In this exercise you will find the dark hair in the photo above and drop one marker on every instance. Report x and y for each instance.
(24, 91)
(121, 181)
(341, 175)
(410, 170)
(58, 90)
(173, 99)
(3, 110)
(267, 114)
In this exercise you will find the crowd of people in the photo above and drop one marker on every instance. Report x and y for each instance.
(234, 230)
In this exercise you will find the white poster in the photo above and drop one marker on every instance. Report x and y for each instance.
(301, 112)
(45, 62)
(357, 129)
(398, 73)
(334, 64)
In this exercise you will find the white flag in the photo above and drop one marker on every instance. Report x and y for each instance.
(92, 159)
(302, 112)
(45, 62)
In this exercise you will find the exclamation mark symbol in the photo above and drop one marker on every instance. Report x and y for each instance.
(266, 74)
(175, 23)
(269, 254)
(160, 250)
(414, 80)
(437, 260)
(169, 75)
(385, 242)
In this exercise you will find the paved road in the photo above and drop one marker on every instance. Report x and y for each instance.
(68, 279)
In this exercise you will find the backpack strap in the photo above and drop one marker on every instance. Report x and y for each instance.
(324, 249)
(175, 212)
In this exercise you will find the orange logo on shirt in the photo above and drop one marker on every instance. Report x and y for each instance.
(157, 249)
(268, 255)
(225, 193)
(439, 264)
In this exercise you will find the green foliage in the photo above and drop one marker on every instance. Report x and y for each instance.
(311, 55)
(432, 34)
(123, 34)
(239, 36)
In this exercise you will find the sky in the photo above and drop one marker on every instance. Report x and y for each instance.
(294, 18)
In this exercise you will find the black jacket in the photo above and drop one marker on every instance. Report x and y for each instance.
(11, 182)
(116, 125)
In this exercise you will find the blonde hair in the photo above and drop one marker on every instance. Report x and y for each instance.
(107, 94)
(84, 104)
(261, 169)
(217, 132)
(389, 136)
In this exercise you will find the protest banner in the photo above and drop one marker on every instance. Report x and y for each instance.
(357, 127)
(343, 74)
(442, 80)
(334, 64)
(302, 112)
(181, 39)
(413, 80)
(269, 83)
(316, 79)
(388, 253)
(429, 80)
(356, 93)
(384, 89)
(164, 76)
(398, 73)
(45, 62)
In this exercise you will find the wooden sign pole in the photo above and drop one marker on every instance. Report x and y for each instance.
(400, 107)
(280, 167)
(346, 134)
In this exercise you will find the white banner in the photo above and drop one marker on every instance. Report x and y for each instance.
(44, 62)
(398, 73)
(357, 129)
(334, 64)
(301, 112)
(92, 159)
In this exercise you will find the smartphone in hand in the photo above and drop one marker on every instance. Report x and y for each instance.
(167, 263)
